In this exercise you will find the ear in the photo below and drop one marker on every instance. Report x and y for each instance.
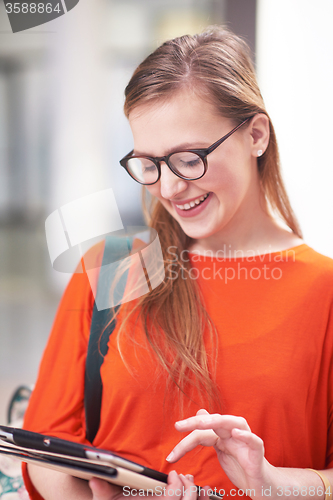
(259, 131)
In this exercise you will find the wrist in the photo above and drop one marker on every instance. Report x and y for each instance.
(290, 483)
(326, 483)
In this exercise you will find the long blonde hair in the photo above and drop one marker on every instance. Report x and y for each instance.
(216, 64)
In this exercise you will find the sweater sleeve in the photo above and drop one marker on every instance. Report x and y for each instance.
(56, 406)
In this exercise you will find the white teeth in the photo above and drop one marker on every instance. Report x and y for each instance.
(193, 203)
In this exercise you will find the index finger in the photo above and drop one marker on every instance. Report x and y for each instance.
(221, 424)
(196, 438)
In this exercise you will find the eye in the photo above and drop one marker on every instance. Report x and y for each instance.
(149, 167)
(191, 163)
(188, 164)
(142, 169)
(185, 160)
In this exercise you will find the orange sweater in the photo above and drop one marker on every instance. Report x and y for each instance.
(273, 317)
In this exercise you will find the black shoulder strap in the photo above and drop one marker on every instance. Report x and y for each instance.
(98, 342)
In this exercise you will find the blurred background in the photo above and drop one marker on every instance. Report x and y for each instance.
(62, 131)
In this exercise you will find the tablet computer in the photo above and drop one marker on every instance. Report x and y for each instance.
(80, 460)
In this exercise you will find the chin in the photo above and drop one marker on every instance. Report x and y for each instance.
(196, 234)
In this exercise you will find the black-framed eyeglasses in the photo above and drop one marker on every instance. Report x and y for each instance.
(188, 164)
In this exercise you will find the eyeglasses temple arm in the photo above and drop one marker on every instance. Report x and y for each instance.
(217, 143)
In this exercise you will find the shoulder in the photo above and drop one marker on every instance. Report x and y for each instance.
(92, 258)
(314, 273)
(315, 261)
(86, 274)
(81, 289)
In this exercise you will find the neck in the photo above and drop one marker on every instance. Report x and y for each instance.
(253, 230)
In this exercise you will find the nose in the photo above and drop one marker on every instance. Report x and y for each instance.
(170, 183)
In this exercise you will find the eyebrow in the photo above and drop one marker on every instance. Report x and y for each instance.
(179, 147)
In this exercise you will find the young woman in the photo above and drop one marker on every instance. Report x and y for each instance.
(235, 347)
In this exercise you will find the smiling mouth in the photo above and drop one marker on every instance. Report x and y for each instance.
(193, 203)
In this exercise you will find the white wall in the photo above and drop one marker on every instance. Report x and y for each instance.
(295, 70)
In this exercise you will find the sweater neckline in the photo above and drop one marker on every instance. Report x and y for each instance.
(249, 256)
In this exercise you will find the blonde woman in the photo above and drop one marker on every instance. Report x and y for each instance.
(235, 347)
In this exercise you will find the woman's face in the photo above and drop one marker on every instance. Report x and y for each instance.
(228, 194)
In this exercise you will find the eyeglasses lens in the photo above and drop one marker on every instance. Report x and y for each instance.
(143, 170)
(186, 164)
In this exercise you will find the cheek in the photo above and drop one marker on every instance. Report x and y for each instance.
(223, 182)
(154, 190)
(230, 178)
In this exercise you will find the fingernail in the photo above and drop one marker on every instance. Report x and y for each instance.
(171, 475)
(190, 477)
(170, 457)
(181, 423)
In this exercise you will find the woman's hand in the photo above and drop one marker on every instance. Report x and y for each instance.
(179, 487)
(239, 451)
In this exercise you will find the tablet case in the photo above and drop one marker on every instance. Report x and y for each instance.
(82, 461)
(86, 468)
